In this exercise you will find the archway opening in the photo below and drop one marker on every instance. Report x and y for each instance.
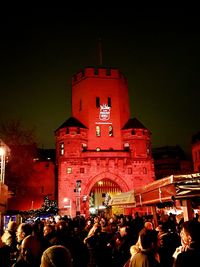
(101, 193)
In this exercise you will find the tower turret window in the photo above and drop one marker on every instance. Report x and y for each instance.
(62, 149)
(145, 170)
(110, 130)
(69, 170)
(84, 147)
(109, 101)
(126, 146)
(98, 130)
(97, 102)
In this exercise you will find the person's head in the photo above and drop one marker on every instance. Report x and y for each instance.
(190, 231)
(134, 249)
(148, 225)
(56, 256)
(12, 226)
(48, 229)
(148, 239)
(31, 249)
(123, 231)
(61, 226)
(23, 230)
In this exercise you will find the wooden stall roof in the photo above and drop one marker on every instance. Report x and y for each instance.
(168, 189)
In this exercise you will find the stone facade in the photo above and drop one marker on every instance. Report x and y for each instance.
(100, 149)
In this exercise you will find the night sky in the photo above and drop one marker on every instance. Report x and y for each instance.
(157, 49)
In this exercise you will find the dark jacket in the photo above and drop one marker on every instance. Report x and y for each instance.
(190, 257)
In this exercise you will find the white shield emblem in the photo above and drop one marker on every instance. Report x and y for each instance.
(104, 113)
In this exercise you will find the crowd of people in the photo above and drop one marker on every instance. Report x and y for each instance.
(98, 241)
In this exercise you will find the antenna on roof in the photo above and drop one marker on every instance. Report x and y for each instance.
(100, 52)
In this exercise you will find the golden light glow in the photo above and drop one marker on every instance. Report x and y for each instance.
(2, 151)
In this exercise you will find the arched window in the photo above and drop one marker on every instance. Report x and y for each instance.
(110, 130)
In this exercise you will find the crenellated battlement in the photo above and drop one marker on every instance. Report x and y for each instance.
(98, 72)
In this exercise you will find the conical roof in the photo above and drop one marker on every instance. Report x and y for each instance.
(71, 122)
(133, 123)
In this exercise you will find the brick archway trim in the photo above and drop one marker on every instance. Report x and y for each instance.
(106, 175)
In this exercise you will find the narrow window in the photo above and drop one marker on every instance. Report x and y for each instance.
(98, 130)
(96, 71)
(69, 170)
(108, 72)
(97, 102)
(145, 170)
(109, 101)
(62, 149)
(84, 147)
(126, 146)
(80, 105)
(129, 170)
(67, 130)
(82, 170)
(110, 130)
(133, 132)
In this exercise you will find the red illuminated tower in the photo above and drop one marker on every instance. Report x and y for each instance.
(100, 150)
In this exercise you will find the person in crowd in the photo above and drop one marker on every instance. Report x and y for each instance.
(188, 253)
(134, 249)
(167, 243)
(23, 230)
(121, 246)
(86, 228)
(30, 252)
(9, 239)
(9, 235)
(4, 254)
(49, 234)
(56, 256)
(145, 253)
(100, 254)
(112, 225)
(148, 225)
(66, 237)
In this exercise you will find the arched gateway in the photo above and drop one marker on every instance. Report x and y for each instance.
(101, 189)
(100, 149)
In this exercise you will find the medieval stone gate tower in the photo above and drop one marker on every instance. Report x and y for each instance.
(100, 150)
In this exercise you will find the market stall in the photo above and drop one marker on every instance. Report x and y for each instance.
(169, 189)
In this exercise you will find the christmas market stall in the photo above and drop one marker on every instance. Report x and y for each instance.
(122, 202)
(182, 189)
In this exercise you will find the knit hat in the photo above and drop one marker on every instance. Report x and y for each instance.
(56, 256)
